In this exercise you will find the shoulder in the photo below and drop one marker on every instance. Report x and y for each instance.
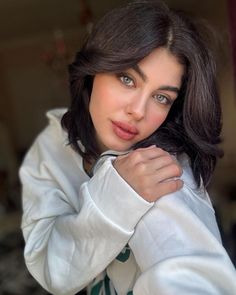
(187, 175)
(188, 207)
(53, 135)
(193, 195)
(51, 142)
(50, 156)
(55, 115)
(54, 128)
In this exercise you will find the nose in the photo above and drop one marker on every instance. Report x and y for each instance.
(136, 107)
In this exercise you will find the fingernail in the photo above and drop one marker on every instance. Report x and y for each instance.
(181, 183)
(152, 146)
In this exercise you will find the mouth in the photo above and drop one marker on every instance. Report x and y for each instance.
(124, 131)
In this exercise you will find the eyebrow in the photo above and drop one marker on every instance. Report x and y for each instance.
(140, 72)
(137, 69)
(170, 88)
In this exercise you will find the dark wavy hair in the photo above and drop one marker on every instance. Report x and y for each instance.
(122, 38)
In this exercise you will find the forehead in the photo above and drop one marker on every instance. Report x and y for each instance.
(161, 64)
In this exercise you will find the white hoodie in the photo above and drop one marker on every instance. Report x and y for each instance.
(100, 234)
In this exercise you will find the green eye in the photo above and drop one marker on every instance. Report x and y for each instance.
(127, 80)
(162, 99)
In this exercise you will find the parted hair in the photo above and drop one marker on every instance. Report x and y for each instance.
(119, 41)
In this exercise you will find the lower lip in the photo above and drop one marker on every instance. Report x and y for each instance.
(123, 134)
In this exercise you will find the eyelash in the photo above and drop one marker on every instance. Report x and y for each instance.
(168, 100)
(123, 76)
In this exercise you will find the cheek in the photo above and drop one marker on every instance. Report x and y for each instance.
(156, 119)
(97, 99)
(103, 98)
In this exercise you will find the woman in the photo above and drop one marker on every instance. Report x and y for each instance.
(144, 103)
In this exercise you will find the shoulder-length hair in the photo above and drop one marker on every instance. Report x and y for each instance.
(119, 41)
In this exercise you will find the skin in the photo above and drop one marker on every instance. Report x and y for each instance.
(128, 107)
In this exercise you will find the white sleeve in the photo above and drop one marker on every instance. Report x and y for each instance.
(72, 233)
(178, 249)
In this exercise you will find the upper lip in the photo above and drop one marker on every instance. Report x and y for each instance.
(126, 126)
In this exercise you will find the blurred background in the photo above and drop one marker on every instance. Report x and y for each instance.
(37, 41)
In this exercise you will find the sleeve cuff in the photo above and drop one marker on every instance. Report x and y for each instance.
(115, 198)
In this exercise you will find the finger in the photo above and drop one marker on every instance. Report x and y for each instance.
(167, 172)
(144, 154)
(166, 188)
(160, 162)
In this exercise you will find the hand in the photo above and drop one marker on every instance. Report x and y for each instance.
(151, 172)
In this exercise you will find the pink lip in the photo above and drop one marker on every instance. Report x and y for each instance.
(124, 131)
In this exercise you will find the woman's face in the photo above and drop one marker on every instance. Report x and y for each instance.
(129, 106)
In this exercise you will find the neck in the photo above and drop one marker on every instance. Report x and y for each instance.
(88, 165)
